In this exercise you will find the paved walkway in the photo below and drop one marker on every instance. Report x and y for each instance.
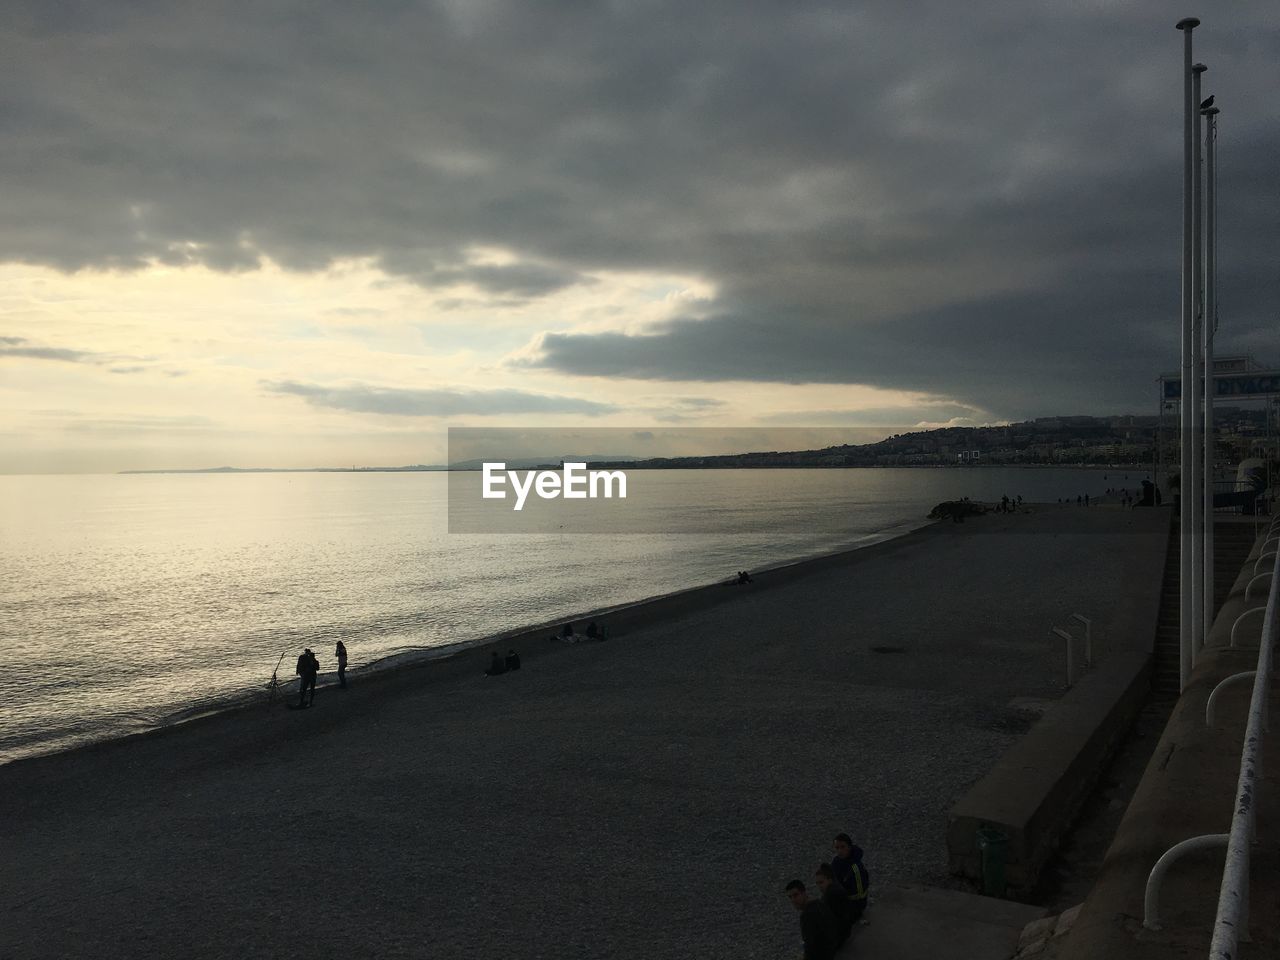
(1188, 790)
(928, 923)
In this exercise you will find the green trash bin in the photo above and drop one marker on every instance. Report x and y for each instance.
(994, 847)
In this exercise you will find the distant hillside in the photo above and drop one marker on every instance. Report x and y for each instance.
(1123, 439)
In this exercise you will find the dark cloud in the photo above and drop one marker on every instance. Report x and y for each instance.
(895, 417)
(985, 207)
(435, 403)
(21, 348)
(60, 354)
(682, 409)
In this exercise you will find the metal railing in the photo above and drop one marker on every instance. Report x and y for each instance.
(1233, 896)
(1071, 647)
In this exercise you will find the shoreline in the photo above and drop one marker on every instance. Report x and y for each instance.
(720, 731)
(532, 637)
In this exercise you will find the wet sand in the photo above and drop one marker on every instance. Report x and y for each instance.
(643, 797)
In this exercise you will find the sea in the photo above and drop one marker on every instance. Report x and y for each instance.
(129, 602)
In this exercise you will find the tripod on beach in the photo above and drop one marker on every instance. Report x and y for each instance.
(274, 686)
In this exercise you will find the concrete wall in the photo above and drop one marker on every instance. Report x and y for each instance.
(1034, 792)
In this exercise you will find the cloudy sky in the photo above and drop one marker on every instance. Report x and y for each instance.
(319, 233)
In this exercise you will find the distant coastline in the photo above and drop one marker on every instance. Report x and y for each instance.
(417, 468)
(661, 465)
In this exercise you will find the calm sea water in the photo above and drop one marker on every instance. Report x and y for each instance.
(128, 602)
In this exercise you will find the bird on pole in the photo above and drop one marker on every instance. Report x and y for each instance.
(1206, 104)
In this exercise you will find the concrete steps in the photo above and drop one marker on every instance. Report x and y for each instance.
(1232, 542)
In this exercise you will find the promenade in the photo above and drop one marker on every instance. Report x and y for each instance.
(1189, 789)
(644, 797)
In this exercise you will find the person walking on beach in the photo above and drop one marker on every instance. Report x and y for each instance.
(341, 653)
(513, 660)
(308, 667)
(817, 926)
(849, 869)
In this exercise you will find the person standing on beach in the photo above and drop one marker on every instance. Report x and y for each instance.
(817, 926)
(341, 653)
(836, 899)
(308, 667)
(852, 874)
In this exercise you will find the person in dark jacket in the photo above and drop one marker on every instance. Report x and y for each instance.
(497, 666)
(341, 652)
(513, 660)
(836, 899)
(308, 667)
(817, 926)
(852, 874)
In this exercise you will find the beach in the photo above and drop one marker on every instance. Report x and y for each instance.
(648, 796)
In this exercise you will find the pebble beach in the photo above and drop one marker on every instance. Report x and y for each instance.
(648, 796)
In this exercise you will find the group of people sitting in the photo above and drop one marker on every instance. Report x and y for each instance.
(499, 665)
(593, 632)
(827, 920)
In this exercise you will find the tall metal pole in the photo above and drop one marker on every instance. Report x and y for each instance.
(1197, 317)
(1158, 460)
(1184, 523)
(1210, 324)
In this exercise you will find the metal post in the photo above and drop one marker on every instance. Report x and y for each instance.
(1159, 458)
(1210, 325)
(1071, 655)
(1186, 491)
(1197, 315)
(1088, 637)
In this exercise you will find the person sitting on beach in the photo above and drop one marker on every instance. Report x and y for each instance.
(836, 899)
(341, 653)
(513, 660)
(496, 666)
(593, 632)
(849, 869)
(817, 926)
(568, 635)
(308, 667)
(744, 577)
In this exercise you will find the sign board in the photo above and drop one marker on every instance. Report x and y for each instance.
(1255, 384)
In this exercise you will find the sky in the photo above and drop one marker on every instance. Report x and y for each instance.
(319, 234)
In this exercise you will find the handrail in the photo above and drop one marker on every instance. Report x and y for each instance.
(1258, 577)
(1240, 618)
(1233, 895)
(1151, 900)
(1234, 680)
(1262, 557)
